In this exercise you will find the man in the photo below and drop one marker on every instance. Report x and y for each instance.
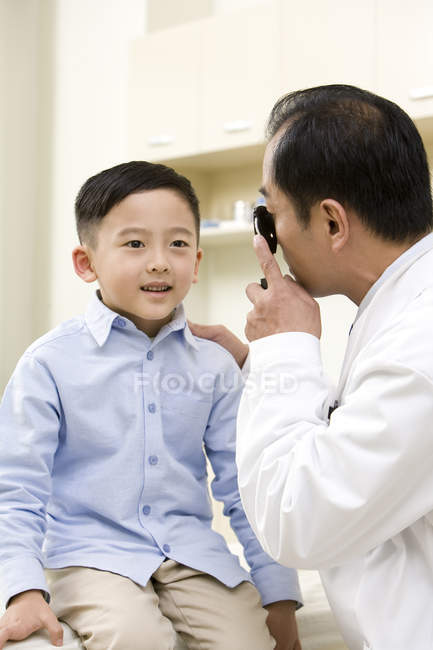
(342, 481)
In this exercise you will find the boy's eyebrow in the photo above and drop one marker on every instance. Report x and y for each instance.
(137, 229)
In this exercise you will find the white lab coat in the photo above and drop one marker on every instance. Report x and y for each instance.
(351, 496)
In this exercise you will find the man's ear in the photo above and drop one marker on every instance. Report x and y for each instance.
(336, 223)
(196, 266)
(81, 259)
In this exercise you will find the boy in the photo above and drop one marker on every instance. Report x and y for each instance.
(102, 430)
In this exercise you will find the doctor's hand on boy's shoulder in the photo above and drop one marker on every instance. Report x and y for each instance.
(224, 337)
(282, 625)
(27, 613)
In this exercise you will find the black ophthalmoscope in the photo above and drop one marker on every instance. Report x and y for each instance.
(264, 225)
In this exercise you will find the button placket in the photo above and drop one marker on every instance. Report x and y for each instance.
(152, 439)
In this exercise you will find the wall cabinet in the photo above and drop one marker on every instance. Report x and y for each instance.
(327, 42)
(209, 85)
(204, 86)
(405, 54)
(241, 55)
(164, 83)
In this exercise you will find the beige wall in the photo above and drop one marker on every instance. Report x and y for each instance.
(165, 13)
(90, 113)
(25, 179)
(63, 116)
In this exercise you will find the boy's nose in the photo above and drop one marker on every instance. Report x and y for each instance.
(157, 265)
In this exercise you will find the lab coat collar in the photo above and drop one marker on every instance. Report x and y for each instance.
(419, 248)
(410, 274)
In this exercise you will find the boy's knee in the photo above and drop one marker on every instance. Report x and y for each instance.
(125, 636)
(116, 629)
(154, 637)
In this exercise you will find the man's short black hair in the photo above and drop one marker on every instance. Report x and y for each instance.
(102, 192)
(341, 142)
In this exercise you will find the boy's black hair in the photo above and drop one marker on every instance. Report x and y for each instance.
(341, 142)
(103, 191)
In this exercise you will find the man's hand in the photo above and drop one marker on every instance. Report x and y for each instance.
(281, 622)
(284, 306)
(224, 337)
(27, 613)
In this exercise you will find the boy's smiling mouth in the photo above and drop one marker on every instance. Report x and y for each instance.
(157, 287)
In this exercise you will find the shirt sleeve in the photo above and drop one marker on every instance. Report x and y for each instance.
(273, 581)
(30, 415)
(319, 493)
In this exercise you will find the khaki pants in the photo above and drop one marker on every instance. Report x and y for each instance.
(111, 612)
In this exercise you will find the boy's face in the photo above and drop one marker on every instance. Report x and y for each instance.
(145, 257)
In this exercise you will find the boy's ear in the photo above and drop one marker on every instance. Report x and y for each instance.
(82, 262)
(196, 266)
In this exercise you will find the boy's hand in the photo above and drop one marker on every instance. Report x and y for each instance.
(281, 622)
(27, 613)
(225, 338)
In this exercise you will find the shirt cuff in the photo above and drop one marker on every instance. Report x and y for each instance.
(283, 348)
(275, 583)
(21, 574)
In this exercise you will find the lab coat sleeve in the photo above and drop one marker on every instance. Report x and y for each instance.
(273, 581)
(30, 415)
(320, 493)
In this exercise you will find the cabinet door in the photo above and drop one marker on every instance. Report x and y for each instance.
(240, 76)
(405, 54)
(327, 42)
(163, 95)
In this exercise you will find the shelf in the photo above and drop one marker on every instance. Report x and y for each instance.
(214, 160)
(228, 233)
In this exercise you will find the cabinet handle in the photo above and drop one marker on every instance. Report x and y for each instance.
(421, 93)
(160, 140)
(237, 125)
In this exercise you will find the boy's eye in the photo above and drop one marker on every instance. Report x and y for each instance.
(179, 243)
(135, 243)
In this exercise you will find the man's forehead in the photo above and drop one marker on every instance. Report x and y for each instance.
(268, 159)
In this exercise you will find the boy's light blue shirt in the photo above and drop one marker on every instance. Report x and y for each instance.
(102, 439)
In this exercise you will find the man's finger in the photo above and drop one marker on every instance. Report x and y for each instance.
(254, 291)
(203, 331)
(267, 261)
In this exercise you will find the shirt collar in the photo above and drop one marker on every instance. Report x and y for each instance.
(420, 247)
(178, 323)
(100, 319)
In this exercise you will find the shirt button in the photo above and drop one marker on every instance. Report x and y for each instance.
(151, 408)
(153, 460)
(146, 510)
(120, 322)
(150, 355)
(166, 548)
